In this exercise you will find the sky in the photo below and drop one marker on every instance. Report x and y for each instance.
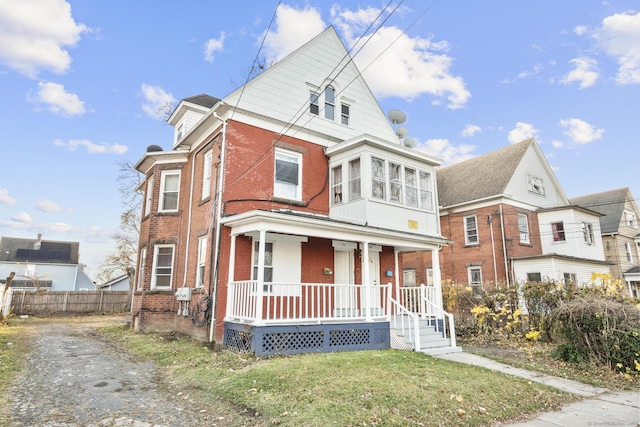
(84, 84)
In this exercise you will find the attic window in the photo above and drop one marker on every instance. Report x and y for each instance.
(179, 132)
(536, 186)
(314, 107)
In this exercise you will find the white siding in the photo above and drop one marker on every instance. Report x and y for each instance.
(574, 244)
(554, 269)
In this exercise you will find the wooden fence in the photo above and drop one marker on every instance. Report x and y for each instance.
(68, 302)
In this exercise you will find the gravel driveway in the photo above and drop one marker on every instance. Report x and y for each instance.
(75, 378)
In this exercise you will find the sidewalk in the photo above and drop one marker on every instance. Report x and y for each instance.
(601, 407)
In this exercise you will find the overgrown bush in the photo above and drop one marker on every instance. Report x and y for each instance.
(600, 330)
(541, 299)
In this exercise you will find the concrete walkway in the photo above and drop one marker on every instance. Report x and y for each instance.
(600, 407)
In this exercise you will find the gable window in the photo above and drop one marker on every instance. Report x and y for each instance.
(426, 194)
(534, 277)
(627, 249)
(344, 114)
(336, 185)
(314, 106)
(587, 233)
(471, 230)
(378, 178)
(206, 175)
(202, 252)
(162, 267)
(288, 175)
(143, 260)
(395, 178)
(329, 102)
(630, 219)
(179, 132)
(569, 278)
(268, 263)
(475, 277)
(355, 191)
(536, 186)
(557, 229)
(411, 187)
(523, 228)
(148, 197)
(170, 185)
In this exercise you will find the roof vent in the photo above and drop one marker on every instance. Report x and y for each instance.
(153, 148)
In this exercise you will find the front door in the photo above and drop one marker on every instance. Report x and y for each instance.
(373, 299)
(345, 296)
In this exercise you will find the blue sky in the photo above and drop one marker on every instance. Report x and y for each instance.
(82, 82)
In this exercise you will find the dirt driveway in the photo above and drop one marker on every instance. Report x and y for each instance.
(75, 378)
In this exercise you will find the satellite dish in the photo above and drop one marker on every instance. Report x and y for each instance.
(402, 132)
(409, 142)
(397, 117)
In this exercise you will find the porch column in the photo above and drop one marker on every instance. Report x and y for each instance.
(435, 265)
(366, 282)
(260, 279)
(231, 288)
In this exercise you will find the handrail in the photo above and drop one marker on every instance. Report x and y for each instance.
(412, 316)
(439, 312)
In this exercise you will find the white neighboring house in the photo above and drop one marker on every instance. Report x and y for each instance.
(120, 283)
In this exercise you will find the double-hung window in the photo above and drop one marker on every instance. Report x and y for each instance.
(378, 178)
(314, 106)
(627, 249)
(148, 197)
(534, 277)
(411, 187)
(630, 219)
(329, 102)
(426, 193)
(587, 233)
(141, 264)
(206, 174)
(471, 230)
(288, 175)
(475, 277)
(268, 263)
(523, 228)
(162, 267)
(344, 114)
(395, 180)
(170, 186)
(557, 229)
(336, 185)
(355, 189)
(202, 252)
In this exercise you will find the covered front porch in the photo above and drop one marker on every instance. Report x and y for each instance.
(354, 302)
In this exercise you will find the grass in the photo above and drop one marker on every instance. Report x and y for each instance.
(365, 388)
(15, 343)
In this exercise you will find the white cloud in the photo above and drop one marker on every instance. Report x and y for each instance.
(556, 143)
(536, 69)
(619, 37)
(580, 30)
(22, 217)
(34, 35)
(93, 148)
(60, 102)
(470, 130)
(521, 132)
(447, 151)
(212, 46)
(156, 101)
(48, 206)
(580, 131)
(585, 72)
(6, 199)
(392, 63)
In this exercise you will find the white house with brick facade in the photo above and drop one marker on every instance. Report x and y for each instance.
(275, 222)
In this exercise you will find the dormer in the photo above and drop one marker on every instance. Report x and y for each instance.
(188, 113)
(383, 184)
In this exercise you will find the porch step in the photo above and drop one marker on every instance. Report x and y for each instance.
(432, 342)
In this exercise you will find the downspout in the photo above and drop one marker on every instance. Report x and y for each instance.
(218, 229)
(493, 251)
(186, 251)
(504, 246)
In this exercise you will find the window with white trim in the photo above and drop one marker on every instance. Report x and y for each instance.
(329, 102)
(557, 230)
(202, 253)
(148, 197)
(336, 185)
(475, 277)
(355, 187)
(627, 249)
(630, 219)
(426, 193)
(409, 278)
(430, 281)
(411, 187)
(587, 233)
(162, 267)
(378, 178)
(170, 187)
(536, 186)
(569, 278)
(141, 264)
(179, 132)
(395, 182)
(523, 227)
(268, 263)
(314, 106)
(288, 175)
(534, 277)
(344, 114)
(206, 174)
(471, 230)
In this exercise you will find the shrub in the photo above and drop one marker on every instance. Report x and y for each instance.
(601, 330)
(541, 299)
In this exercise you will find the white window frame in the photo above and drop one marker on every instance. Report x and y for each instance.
(314, 103)
(560, 233)
(523, 228)
(268, 264)
(430, 281)
(355, 179)
(143, 260)
(179, 132)
(570, 277)
(425, 185)
(471, 272)
(536, 185)
(471, 233)
(411, 187)
(202, 261)
(395, 182)
(345, 111)
(330, 103)
(627, 249)
(630, 219)
(164, 192)
(284, 189)
(378, 178)
(337, 192)
(148, 197)
(531, 274)
(587, 233)
(156, 255)
(409, 278)
(206, 174)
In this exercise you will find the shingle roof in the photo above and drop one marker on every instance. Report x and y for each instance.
(203, 100)
(480, 177)
(609, 203)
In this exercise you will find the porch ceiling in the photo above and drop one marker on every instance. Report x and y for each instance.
(302, 224)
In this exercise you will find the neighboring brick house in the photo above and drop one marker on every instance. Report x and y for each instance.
(285, 206)
(510, 221)
(620, 233)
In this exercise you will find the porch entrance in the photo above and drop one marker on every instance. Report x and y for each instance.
(373, 297)
(344, 296)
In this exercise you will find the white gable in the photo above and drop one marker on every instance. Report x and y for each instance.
(282, 93)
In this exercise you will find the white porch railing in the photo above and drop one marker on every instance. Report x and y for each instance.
(285, 303)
